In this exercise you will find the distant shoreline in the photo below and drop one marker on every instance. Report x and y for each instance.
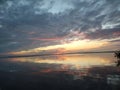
(35, 55)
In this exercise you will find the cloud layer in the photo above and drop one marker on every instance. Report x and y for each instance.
(28, 24)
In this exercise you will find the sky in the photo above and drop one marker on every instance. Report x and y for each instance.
(57, 26)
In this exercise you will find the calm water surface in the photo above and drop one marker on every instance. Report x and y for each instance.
(62, 72)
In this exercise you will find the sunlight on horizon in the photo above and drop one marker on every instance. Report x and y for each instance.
(73, 46)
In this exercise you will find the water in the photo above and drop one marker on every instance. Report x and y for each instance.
(62, 72)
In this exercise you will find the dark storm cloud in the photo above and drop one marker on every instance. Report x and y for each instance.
(28, 24)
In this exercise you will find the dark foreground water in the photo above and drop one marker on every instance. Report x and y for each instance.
(63, 72)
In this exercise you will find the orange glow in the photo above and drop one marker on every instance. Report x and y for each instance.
(75, 45)
(59, 51)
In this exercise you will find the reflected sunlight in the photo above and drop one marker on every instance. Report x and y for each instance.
(74, 60)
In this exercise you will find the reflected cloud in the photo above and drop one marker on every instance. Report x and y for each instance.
(75, 61)
(95, 67)
(113, 79)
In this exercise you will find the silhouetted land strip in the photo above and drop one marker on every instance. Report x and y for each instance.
(117, 55)
(34, 55)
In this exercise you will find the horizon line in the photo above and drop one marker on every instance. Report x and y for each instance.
(48, 54)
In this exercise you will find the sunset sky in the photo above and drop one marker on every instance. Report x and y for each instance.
(57, 26)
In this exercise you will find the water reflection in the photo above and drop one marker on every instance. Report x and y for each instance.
(75, 60)
(88, 69)
(113, 79)
(71, 64)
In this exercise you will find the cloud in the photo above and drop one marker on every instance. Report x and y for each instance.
(104, 34)
(55, 7)
(28, 24)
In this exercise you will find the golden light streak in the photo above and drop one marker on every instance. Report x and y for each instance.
(75, 45)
